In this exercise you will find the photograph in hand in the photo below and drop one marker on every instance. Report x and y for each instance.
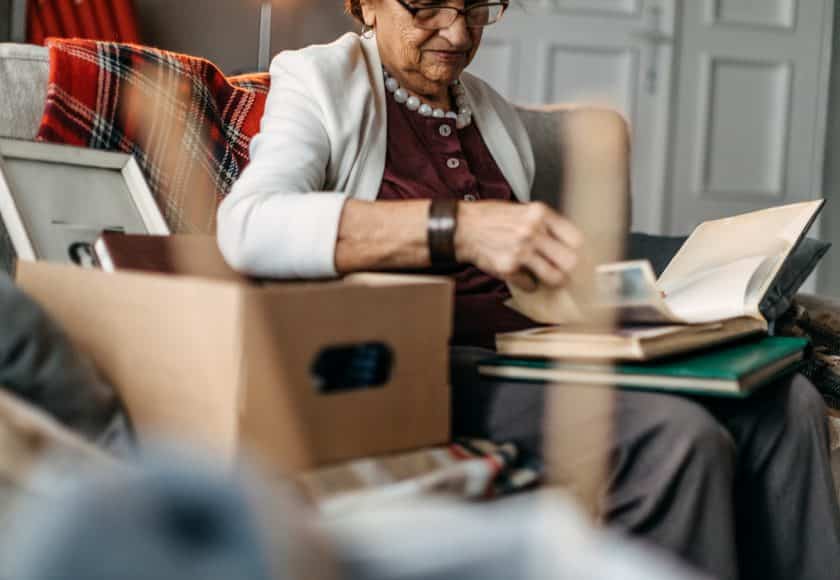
(626, 283)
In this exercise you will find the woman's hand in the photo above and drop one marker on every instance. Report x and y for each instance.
(524, 244)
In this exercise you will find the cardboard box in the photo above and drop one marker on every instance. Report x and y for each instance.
(229, 364)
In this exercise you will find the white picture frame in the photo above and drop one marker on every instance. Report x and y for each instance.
(55, 200)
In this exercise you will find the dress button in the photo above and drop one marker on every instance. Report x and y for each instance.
(470, 197)
(445, 130)
(453, 163)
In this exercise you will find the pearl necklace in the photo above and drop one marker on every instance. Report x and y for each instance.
(463, 117)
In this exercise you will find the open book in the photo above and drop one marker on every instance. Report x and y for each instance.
(715, 283)
(722, 271)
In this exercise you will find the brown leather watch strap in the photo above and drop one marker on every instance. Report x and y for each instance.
(443, 218)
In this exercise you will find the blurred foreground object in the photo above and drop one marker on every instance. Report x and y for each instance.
(593, 193)
(535, 537)
(179, 519)
(172, 519)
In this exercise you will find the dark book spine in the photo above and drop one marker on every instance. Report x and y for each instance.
(105, 20)
(87, 20)
(34, 26)
(67, 16)
(126, 21)
(49, 18)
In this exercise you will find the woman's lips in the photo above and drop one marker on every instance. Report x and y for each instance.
(447, 55)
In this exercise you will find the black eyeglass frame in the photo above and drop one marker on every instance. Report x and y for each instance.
(461, 11)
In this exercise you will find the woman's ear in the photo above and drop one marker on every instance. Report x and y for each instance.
(369, 13)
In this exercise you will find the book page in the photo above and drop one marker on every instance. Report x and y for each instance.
(629, 288)
(718, 293)
(715, 244)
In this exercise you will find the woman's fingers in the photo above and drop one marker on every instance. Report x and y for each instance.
(524, 280)
(564, 230)
(546, 271)
(557, 252)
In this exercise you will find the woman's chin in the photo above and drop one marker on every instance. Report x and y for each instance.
(443, 73)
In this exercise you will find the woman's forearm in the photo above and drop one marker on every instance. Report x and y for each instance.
(522, 243)
(382, 235)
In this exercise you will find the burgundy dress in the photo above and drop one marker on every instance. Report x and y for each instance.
(429, 158)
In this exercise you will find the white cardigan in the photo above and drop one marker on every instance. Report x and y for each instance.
(322, 140)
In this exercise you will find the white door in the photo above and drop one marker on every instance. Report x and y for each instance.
(615, 53)
(752, 101)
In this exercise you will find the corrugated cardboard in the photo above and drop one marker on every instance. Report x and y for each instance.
(227, 364)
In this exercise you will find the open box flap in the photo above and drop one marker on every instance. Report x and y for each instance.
(169, 344)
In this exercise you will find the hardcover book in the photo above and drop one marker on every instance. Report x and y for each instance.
(736, 370)
(49, 18)
(67, 16)
(710, 292)
(182, 254)
(87, 20)
(126, 21)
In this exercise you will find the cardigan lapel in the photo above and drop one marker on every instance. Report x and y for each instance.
(496, 136)
(366, 182)
(367, 176)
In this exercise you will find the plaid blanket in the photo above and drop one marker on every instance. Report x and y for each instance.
(188, 125)
(469, 469)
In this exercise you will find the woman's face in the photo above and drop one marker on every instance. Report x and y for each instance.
(424, 61)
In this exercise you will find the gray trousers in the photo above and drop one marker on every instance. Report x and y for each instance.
(738, 488)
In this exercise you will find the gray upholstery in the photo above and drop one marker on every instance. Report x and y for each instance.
(24, 69)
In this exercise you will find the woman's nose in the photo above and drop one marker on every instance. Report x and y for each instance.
(457, 34)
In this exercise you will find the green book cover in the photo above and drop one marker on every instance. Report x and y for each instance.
(731, 364)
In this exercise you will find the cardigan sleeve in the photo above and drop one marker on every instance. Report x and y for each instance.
(277, 221)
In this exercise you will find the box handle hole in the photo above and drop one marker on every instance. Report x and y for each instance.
(354, 367)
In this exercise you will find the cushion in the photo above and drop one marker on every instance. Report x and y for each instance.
(7, 256)
(187, 125)
(39, 365)
(23, 86)
(660, 249)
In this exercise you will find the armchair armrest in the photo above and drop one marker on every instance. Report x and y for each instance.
(580, 149)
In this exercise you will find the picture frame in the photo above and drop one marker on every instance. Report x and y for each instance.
(55, 200)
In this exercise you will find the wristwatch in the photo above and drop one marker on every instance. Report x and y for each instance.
(443, 218)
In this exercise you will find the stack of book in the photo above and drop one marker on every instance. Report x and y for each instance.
(696, 329)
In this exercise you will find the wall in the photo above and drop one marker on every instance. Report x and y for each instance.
(227, 31)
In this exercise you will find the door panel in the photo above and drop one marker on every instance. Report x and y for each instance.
(605, 53)
(751, 100)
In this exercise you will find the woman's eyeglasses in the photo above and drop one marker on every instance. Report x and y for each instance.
(440, 16)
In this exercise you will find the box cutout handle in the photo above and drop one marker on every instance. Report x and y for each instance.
(352, 367)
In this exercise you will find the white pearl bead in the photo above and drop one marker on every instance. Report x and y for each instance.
(462, 118)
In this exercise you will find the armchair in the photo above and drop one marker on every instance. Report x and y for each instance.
(562, 161)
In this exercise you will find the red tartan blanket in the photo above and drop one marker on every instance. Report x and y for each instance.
(188, 125)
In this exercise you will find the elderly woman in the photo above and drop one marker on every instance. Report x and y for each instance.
(379, 152)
